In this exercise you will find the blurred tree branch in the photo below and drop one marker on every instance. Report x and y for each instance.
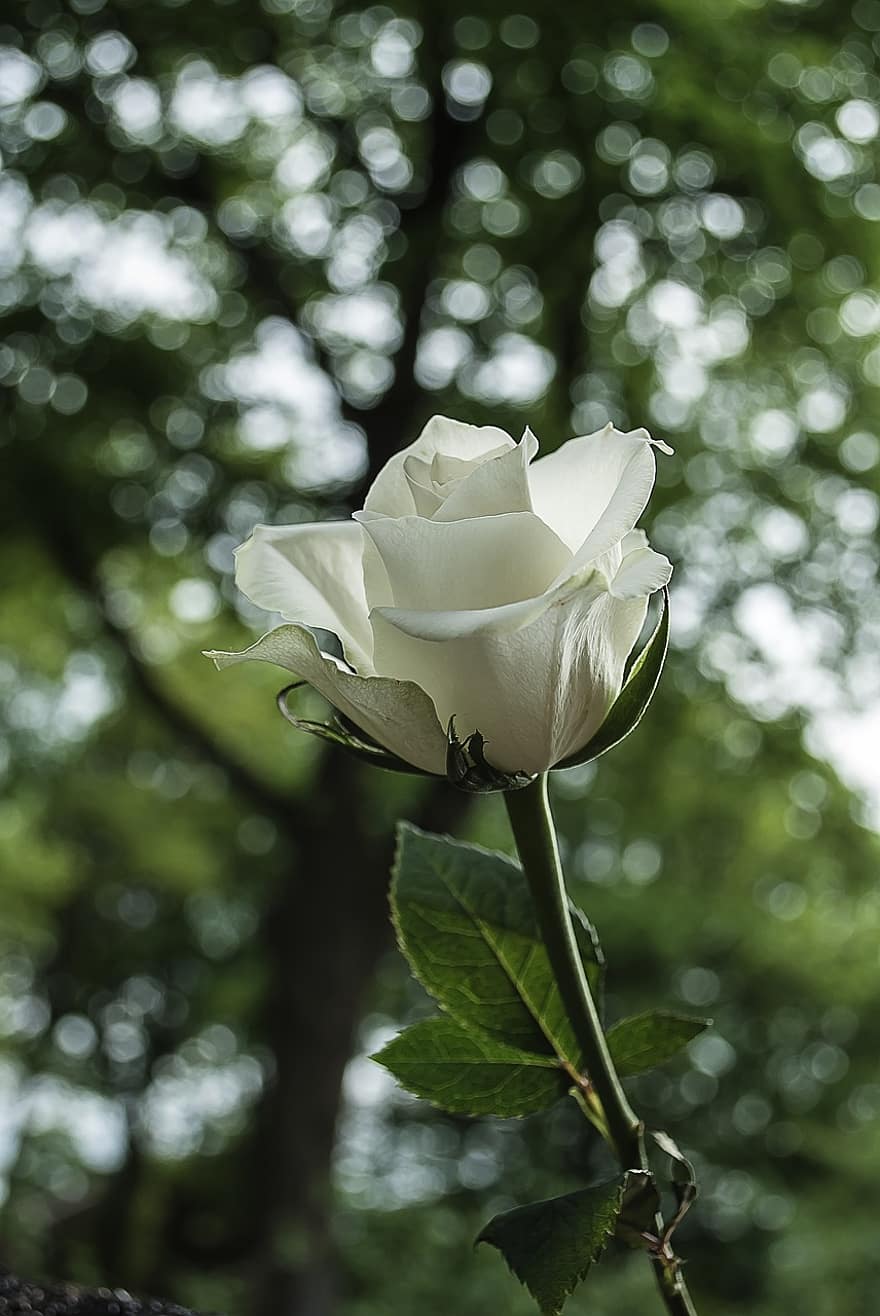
(285, 811)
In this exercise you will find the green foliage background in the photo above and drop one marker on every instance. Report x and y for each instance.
(246, 250)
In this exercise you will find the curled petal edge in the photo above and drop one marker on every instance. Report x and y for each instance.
(368, 706)
(343, 732)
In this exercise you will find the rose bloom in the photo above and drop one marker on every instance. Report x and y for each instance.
(477, 584)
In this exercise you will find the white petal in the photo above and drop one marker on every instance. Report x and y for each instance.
(659, 444)
(442, 473)
(311, 574)
(461, 623)
(390, 492)
(536, 693)
(489, 683)
(597, 643)
(437, 566)
(398, 714)
(496, 486)
(635, 539)
(592, 490)
(418, 477)
(609, 562)
(641, 573)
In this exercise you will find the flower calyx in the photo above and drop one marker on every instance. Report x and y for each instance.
(468, 769)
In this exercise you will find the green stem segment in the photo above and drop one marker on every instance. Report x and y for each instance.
(535, 836)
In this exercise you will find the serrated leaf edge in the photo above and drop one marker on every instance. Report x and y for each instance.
(602, 1243)
(533, 1007)
(515, 1057)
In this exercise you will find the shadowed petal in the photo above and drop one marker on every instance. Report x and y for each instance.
(497, 486)
(390, 492)
(594, 489)
(396, 713)
(311, 574)
(438, 566)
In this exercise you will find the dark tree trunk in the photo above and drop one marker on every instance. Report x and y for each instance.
(323, 938)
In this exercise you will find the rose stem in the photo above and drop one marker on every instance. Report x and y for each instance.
(535, 835)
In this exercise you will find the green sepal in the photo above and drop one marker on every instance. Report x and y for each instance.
(638, 690)
(343, 732)
(683, 1177)
(551, 1245)
(638, 1220)
(470, 1073)
(646, 1040)
(468, 769)
(466, 923)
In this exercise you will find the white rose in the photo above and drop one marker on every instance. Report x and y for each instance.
(477, 584)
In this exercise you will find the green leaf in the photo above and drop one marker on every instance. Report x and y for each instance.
(650, 1039)
(466, 924)
(470, 1073)
(638, 691)
(551, 1245)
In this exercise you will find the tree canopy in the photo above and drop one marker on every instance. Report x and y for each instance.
(245, 252)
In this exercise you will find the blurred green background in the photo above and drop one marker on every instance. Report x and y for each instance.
(245, 251)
